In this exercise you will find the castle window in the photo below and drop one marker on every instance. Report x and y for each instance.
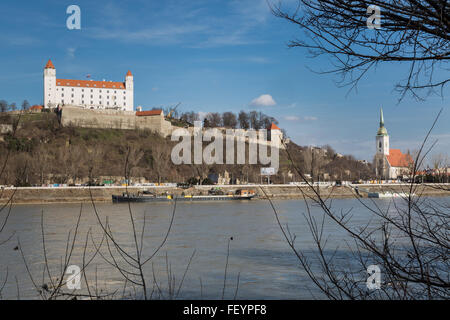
(379, 145)
(82, 102)
(92, 102)
(72, 89)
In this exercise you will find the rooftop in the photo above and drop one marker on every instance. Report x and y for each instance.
(156, 112)
(89, 84)
(398, 159)
(49, 65)
(273, 126)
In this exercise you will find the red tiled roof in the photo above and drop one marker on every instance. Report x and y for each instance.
(129, 73)
(149, 113)
(49, 65)
(89, 84)
(36, 107)
(274, 127)
(397, 159)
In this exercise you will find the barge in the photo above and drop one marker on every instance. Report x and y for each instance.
(146, 196)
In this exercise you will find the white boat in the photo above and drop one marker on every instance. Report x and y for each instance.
(388, 194)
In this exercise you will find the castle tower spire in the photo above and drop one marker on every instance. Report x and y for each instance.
(49, 65)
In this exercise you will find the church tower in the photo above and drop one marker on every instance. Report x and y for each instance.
(382, 138)
(49, 85)
(382, 147)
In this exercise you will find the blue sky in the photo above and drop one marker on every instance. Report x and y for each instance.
(210, 55)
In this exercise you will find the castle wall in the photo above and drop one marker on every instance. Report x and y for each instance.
(113, 119)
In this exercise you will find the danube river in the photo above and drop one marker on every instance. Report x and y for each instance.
(258, 253)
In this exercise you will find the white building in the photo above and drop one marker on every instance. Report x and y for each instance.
(88, 94)
(390, 163)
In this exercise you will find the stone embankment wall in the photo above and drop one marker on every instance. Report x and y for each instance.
(113, 119)
(83, 194)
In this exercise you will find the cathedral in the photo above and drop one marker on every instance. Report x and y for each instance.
(88, 94)
(390, 164)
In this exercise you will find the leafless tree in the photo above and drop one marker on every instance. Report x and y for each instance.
(243, 120)
(229, 120)
(214, 119)
(25, 105)
(3, 106)
(412, 31)
(409, 241)
(161, 157)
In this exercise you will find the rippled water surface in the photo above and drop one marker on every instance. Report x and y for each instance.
(266, 266)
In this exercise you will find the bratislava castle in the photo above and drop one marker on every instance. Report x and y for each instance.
(88, 94)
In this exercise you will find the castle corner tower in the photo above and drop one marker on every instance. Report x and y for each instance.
(49, 85)
(129, 90)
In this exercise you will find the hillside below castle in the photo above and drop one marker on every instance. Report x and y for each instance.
(42, 151)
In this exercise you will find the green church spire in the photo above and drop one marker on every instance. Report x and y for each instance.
(382, 130)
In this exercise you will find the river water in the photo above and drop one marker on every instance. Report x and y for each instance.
(258, 253)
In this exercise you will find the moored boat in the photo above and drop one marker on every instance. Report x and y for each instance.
(241, 194)
(389, 194)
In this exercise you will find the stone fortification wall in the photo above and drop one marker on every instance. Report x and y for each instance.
(113, 119)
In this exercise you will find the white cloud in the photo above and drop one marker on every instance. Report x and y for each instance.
(191, 23)
(296, 118)
(264, 100)
(71, 52)
(291, 118)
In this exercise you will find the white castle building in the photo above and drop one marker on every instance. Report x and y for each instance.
(88, 94)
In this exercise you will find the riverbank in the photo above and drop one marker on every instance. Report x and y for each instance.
(30, 195)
